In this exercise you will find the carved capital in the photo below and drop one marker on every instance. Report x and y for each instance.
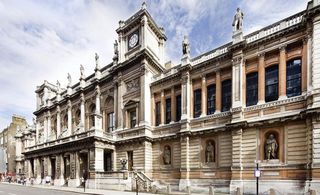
(69, 104)
(98, 92)
(282, 48)
(261, 54)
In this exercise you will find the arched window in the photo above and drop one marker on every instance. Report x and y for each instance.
(77, 117)
(92, 114)
(210, 152)
(167, 155)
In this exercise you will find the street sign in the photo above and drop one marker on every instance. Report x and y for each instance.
(257, 173)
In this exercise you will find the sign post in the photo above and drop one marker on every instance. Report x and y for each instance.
(257, 174)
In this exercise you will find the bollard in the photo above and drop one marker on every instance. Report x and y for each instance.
(211, 190)
(168, 189)
(188, 190)
(312, 192)
(238, 192)
(272, 191)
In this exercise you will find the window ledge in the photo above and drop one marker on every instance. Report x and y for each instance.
(275, 103)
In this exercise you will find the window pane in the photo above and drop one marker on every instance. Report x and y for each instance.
(178, 108)
(226, 95)
(211, 100)
(111, 121)
(252, 89)
(271, 92)
(158, 113)
(132, 119)
(168, 110)
(197, 103)
(294, 77)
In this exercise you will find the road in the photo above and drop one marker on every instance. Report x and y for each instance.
(10, 189)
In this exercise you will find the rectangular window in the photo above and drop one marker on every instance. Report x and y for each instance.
(197, 103)
(252, 89)
(111, 121)
(211, 101)
(294, 77)
(226, 95)
(168, 110)
(178, 108)
(133, 119)
(272, 81)
(158, 113)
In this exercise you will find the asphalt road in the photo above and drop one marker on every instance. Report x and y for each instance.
(9, 189)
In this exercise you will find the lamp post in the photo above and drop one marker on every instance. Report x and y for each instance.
(257, 174)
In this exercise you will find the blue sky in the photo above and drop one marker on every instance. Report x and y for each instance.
(45, 39)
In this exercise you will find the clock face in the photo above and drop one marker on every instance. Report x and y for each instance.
(133, 40)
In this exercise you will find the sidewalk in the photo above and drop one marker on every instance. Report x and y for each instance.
(80, 190)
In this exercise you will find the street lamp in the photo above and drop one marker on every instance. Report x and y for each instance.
(257, 174)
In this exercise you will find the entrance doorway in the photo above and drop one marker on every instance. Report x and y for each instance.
(83, 163)
(53, 168)
(130, 160)
(107, 160)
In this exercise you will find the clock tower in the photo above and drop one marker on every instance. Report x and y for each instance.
(141, 33)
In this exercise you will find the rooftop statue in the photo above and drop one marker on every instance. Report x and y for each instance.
(237, 20)
(185, 46)
(69, 79)
(81, 71)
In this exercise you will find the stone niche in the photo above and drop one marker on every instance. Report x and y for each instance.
(279, 137)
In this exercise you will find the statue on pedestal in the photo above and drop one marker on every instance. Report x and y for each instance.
(271, 148)
(81, 71)
(69, 79)
(210, 152)
(167, 155)
(185, 46)
(237, 20)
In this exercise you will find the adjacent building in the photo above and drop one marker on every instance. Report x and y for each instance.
(204, 122)
(8, 145)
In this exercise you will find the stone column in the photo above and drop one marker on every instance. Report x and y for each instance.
(145, 95)
(236, 81)
(244, 83)
(49, 127)
(137, 115)
(115, 103)
(282, 73)
(37, 170)
(69, 119)
(173, 105)
(82, 113)
(96, 159)
(304, 66)
(162, 108)
(114, 160)
(218, 92)
(49, 166)
(153, 122)
(185, 168)
(77, 164)
(185, 96)
(45, 129)
(97, 118)
(203, 96)
(261, 79)
(58, 121)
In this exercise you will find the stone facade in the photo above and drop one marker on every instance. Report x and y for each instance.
(204, 122)
(8, 144)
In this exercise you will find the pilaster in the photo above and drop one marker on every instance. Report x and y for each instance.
(173, 105)
(185, 96)
(58, 121)
(162, 108)
(203, 96)
(282, 73)
(82, 112)
(261, 79)
(185, 167)
(69, 119)
(218, 91)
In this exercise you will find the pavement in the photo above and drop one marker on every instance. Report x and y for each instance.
(19, 189)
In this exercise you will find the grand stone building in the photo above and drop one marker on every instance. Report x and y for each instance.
(204, 122)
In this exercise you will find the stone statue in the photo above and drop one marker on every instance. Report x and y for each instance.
(81, 71)
(97, 61)
(185, 46)
(115, 48)
(58, 86)
(167, 155)
(69, 79)
(34, 121)
(237, 20)
(271, 147)
(209, 152)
